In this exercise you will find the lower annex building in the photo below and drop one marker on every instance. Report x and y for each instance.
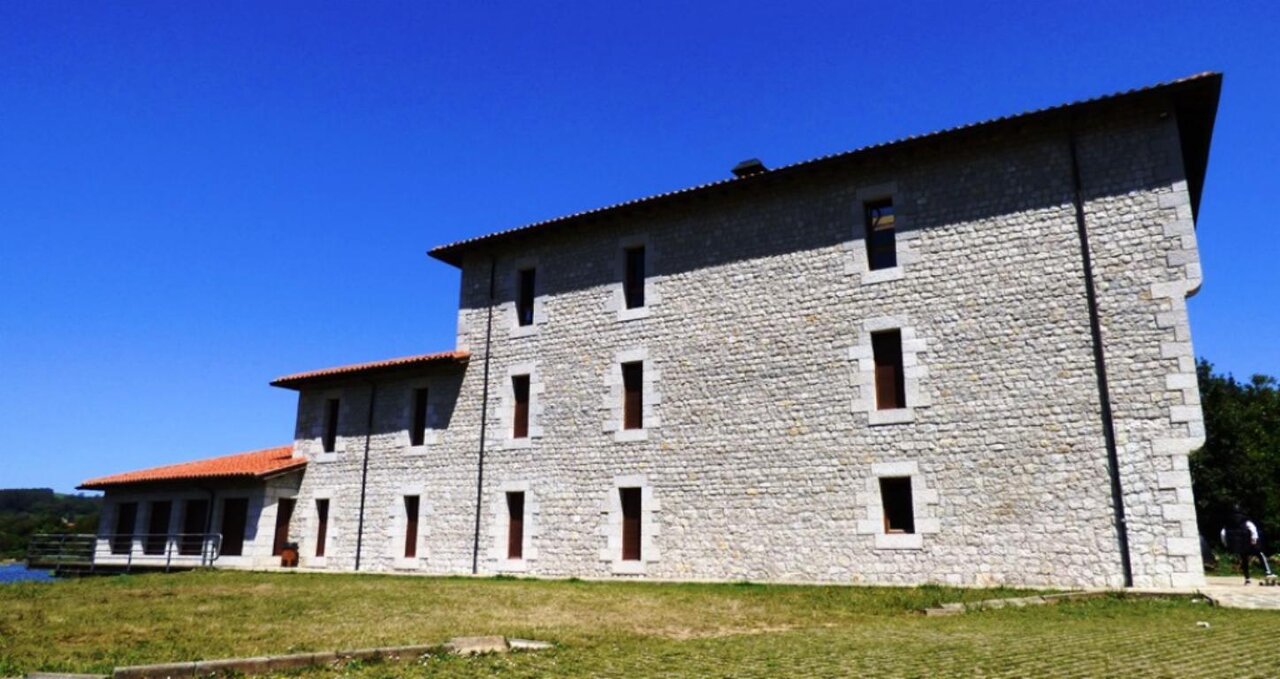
(962, 357)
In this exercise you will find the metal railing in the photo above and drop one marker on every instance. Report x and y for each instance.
(115, 552)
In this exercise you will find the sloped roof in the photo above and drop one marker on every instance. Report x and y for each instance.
(257, 464)
(1196, 94)
(298, 379)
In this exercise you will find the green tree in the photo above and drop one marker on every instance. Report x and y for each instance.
(26, 511)
(1240, 459)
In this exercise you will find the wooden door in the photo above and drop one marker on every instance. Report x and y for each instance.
(284, 514)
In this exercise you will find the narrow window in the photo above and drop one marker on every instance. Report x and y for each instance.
(194, 523)
(330, 425)
(418, 434)
(158, 528)
(895, 494)
(633, 395)
(410, 526)
(633, 280)
(284, 514)
(322, 525)
(520, 416)
(126, 517)
(630, 498)
(881, 246)
(891, 392)
(524, 297)
(515, 525)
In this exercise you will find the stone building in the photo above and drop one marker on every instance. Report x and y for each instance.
(962, 357)
(231, 511)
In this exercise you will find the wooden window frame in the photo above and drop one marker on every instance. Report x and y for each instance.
(526, 296)
(631, 502)
(332, 410)
(881, 235)
(890, 375)
(322, 526)
(897, 502)
(520, 391)
(633, 395)
(418, 424)
(515, 524)
(412, 513)
(634, 274)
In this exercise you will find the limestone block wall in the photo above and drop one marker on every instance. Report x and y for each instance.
(1147, 265)
(761, 451)
(442, 472)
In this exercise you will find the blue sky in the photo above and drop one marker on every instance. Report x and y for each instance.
(198, 197)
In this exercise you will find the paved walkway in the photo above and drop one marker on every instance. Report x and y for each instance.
(1231, 592)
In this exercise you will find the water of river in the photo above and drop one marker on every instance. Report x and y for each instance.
(18, 572)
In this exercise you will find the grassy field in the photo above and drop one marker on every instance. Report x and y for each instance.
(619, 629)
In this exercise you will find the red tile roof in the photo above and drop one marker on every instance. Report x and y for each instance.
(290, 381)
(257, 464)
(1204, 85)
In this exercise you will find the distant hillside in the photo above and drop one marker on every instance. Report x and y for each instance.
(24, 511)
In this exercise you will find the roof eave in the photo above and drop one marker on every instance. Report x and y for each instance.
(1206, 84)
(241, 476)
(1196, 111)
(283, 471)
(108, 485)
(306, 380)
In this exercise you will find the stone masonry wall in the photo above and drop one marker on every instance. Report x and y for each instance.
(441, 472)
(1147, 264)
(761, 453)
(259, 527)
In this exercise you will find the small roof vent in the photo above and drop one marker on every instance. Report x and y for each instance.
(748, 167)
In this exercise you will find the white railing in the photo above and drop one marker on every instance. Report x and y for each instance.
(123, 551)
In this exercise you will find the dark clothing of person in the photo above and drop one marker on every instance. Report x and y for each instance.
(1240, 534)
(1246, 557)
(1242, 538)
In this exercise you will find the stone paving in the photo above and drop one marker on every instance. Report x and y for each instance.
(1231, 592)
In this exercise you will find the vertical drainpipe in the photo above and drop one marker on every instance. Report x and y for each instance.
(1100, 362)
(484, 421)
(364, 470)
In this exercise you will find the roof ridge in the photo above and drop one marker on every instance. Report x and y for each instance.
(273, 460)
(444, 252)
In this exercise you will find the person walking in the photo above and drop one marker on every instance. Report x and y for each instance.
(1240, 535)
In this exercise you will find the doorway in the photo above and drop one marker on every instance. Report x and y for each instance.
(126, 516)
(284, 514)
(158, 528)
(193, 527)
(235, 513)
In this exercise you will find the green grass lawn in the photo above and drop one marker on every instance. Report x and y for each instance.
(619, 628)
